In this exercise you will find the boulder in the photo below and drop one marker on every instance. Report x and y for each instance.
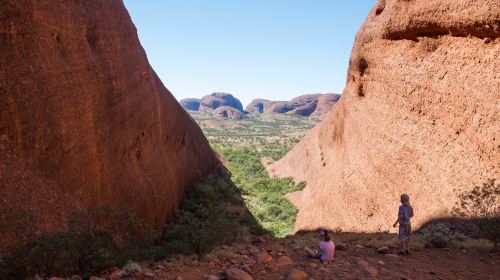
(284, 261)
(263, 257)
(296, 274)
(237, 274)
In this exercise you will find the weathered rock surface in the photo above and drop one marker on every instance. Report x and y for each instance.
(226, 112)
(218, 99)
(85, 121)
(419, 115)
(191, 104)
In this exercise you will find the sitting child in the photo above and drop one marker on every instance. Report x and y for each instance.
(326, 246)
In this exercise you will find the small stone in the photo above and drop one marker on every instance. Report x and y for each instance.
(160, 267)
(260, 239)
(381, 262)
(179, 278)
(341, 247)
(383, 250)
(212, 277)
(116, 274)
(151, 275)
(362, 263)
(237, 274)
(372, 271)
(263, 257)
(284, 261)
(359, 246)
(392, 256)
(225, 247)
(296, 274)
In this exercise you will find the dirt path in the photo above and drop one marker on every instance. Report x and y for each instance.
(355, 262)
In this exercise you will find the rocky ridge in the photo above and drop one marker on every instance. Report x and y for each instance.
(85, 121)
(419, 115)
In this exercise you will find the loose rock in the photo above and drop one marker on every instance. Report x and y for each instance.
(296, 274)
(237, 274)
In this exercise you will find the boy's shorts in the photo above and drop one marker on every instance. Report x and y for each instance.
(404, 232)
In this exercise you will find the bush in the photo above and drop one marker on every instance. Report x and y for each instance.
(97, 238)
(60, 253)
(440, 236)
(131, 268)
(212, 214)
(482, 206)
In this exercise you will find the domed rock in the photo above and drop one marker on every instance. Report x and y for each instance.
(226, 112)
(218, 99)
(419, 115)
(191, 104)
(304, 110)
(259, 105)
(325, 104)
(85, 121)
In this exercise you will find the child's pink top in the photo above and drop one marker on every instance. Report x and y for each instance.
(327, 251)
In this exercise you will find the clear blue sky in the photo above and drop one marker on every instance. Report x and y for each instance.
(273, 49)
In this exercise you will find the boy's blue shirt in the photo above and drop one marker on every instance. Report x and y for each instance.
(407, 212)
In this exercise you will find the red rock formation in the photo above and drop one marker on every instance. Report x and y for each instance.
(259, 105)
(84, 120)
(325, 104)
(217, 99)
(304, 110)
(419, 115)
(226, 112)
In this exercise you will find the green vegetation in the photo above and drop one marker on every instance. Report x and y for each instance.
(245, 144)
(212, 214)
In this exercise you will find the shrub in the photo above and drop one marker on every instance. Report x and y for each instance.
(212, 214)
(60, 253)
(482, 206)
(131, 268)
(440, 236)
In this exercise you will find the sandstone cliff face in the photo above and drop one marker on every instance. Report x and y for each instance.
(419, 115)
(84, 120)
(218, 99)
(303, 105)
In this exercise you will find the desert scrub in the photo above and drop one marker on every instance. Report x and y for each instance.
(212, 214)
(440, 236)
(264, 196)
(481, 205)
(96, 239)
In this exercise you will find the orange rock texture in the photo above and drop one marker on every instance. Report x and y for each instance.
(84, 120)
(419, 115)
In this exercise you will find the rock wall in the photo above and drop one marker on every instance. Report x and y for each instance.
(84, 120)
(419, 115)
